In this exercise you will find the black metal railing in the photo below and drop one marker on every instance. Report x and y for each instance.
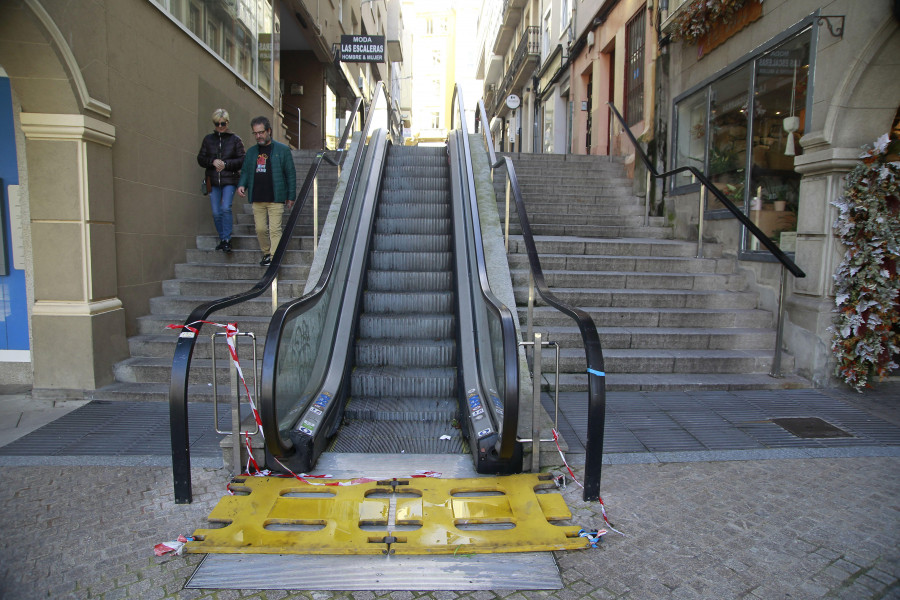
(184, 347)
(596, 421)
(501, 313)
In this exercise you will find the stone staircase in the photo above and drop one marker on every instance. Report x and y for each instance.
(209, 275)
(666, 319)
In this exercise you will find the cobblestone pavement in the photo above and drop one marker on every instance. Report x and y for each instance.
(793, 528)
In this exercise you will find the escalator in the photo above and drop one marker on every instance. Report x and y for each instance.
(399, 347)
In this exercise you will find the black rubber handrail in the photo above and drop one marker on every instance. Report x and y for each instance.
(596, 422)
(184, 347)
(734, 210)
(510, 423)
(268, 399)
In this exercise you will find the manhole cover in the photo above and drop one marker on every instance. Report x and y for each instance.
(810, 427)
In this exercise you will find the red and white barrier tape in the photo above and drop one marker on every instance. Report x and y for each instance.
(578, 483)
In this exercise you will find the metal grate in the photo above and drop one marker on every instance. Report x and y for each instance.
(634, 69)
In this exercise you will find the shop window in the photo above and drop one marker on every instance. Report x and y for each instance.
(634, 70)
(742, 131)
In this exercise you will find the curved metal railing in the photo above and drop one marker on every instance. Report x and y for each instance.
(707, 186)
(591, 340)
(315, 300)
(184, 347)
(506, 373)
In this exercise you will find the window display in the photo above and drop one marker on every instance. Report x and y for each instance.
(742, 130)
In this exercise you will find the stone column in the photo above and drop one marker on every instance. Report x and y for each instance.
(78, 323)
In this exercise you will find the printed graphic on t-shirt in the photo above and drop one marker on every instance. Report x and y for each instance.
(261, 162)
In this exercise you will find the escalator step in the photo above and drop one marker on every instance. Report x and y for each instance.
(414, 183)
(419, 169)
(412, 226)
(441, 196)
(403, 409)
(401, 381)
(410, 261)
(409, 281)
(412, 243)
(392, 437)
(413, 210)
(410, 326)
(405, 353)
(399, 303)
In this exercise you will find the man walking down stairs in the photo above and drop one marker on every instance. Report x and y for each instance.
(666, 319)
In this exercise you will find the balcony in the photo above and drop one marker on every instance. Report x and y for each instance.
(522, 67)
(509, 22)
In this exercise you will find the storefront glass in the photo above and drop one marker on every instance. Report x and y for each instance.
(747, 147)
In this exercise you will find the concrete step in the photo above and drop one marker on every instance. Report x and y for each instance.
(634, 280)
(650, 298)
(236, 271)
(629, 264)
(244, 240)
(654, 382)
(172, 288)
(661, 360)
(156, 323)
(596, 231)
(183, 305)
(209, 258)
(688, 318)
(671, 338)
(163, 346)
(148, 369)
(630, 246)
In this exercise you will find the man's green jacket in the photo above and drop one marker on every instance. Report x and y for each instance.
(284, 176)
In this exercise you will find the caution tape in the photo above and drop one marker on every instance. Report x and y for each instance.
(578, 483)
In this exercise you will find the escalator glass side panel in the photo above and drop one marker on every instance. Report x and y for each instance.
(308, 338)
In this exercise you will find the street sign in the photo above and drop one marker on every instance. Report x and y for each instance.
(512, 101)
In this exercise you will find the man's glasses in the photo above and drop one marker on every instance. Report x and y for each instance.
(222, 124)
(259, 133)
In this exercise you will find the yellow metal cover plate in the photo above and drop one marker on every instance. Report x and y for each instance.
(277, 515)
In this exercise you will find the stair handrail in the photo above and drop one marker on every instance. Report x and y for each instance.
(184, 347)
(268, 414)
(707, 186)
(500, 310)
(596, 372)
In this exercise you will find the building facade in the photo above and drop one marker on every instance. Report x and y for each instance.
(774, 103)
(102, 110)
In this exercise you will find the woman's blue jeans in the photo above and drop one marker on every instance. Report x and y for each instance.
(220, 198)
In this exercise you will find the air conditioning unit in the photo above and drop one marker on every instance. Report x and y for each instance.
(590, 38)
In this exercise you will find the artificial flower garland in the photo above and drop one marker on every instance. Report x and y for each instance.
(865, 336)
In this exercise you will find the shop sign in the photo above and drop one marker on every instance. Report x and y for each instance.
(362, 48)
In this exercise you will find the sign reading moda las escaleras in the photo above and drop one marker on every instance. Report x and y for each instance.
(362, 48)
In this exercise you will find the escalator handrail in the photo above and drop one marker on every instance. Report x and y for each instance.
(184, 347)
(593, 351)
(267, 397)
(507, 324)
(771, 246)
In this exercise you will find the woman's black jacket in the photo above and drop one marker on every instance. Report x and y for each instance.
(229, 148)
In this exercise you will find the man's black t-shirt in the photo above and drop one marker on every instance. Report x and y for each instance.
(262, 177)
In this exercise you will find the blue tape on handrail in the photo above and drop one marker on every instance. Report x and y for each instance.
(595, 372)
